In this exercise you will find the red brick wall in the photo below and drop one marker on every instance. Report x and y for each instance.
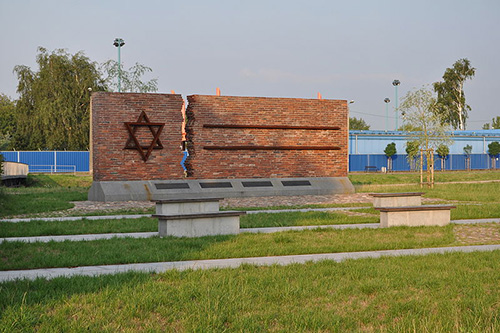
(109, 135)
(315, 160)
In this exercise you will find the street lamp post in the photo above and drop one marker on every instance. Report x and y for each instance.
(396, 83)
(387, 101)
(119, 43)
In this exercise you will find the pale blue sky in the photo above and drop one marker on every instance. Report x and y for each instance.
(342, 49)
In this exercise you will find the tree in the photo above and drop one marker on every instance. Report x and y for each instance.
(451, 98)
(390, 151)
(7, 121)
(358, 124)
(493, 151)
(53, 109)
(412, 150)
(130, 80)
(421, 111)
(495, 124)
(409, 128)
(443, 151)
(467, 152)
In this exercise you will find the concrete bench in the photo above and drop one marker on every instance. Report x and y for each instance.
(201, 224)
(195, 218)
(426, 215)
(397, 199)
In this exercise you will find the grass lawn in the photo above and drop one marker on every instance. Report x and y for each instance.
(451, 292)
(436, 293)
(358, 178)
(17, 255)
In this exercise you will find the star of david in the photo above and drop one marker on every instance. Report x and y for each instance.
(133, 142)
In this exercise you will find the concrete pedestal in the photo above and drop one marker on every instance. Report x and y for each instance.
(437, 215)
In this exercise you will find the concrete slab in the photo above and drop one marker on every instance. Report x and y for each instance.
(160, 267)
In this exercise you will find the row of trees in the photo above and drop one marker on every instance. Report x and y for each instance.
(413, 151)
(53, 109)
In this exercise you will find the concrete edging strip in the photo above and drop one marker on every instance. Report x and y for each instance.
(160, 267)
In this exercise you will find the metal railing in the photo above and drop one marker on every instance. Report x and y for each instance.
(52, 169)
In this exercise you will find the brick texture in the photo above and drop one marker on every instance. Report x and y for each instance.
(261, 163)
(110, 161)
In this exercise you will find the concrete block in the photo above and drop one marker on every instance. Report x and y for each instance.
(397, 199)
(437, 215)
(177, 207)
(192, 226)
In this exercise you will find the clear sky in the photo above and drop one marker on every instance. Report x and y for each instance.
(349, 50)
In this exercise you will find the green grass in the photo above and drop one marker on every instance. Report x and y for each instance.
(17, 255)
(38, 200)
(44, 193)
(479, 192)
(414, 177)
(437, 293)
(42, 228)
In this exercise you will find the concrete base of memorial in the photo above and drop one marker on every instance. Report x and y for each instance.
(216, 188)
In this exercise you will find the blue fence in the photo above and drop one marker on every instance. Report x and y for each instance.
(78, 161)
(358, 162)
(50, 161)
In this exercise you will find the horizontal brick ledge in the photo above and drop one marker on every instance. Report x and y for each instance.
(271, 148)
(283, 127)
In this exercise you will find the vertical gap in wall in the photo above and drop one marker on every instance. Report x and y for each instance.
(187, 136)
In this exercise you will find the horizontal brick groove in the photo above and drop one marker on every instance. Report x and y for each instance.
(271, 148)
(283, 127)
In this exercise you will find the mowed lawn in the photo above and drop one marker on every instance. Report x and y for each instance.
(451, 292)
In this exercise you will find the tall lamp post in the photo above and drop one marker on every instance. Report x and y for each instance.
(119, 43)
(387, 101)
(396, 83)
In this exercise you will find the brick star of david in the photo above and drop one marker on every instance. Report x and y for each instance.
(133, 142)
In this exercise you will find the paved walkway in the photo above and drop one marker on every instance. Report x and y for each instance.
(158, 267)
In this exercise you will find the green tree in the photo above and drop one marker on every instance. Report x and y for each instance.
(493, 151)
(495, 124)
(358, 124)
(412, 150)
(451, 98)
(390, 151)
(409, 128)
(7, 121)
(53, 109)
(7, 115)
(420, 108)
(443, 151)
(467, 152)
(131, 80)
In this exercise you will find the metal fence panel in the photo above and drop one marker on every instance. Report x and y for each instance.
(79, 159)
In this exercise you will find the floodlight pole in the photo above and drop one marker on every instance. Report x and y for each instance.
(119, 43)
(387, 101)
(396, 83)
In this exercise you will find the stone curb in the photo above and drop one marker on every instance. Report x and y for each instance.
(159, 267)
